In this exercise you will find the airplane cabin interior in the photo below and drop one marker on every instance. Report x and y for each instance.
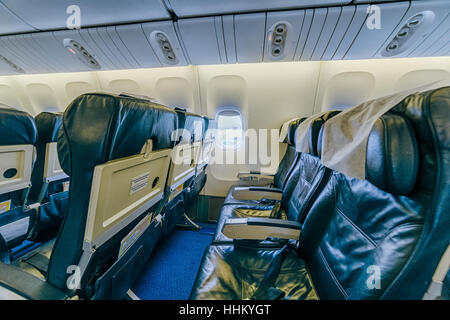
(224, 150)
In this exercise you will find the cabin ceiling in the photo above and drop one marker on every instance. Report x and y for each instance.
(34, 37)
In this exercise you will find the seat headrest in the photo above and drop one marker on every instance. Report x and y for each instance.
(290, 137)
(191, 126)
(16, 127)
(392, 156)
(48, 125)
(101, 127)
(210, 127)
(314, 129)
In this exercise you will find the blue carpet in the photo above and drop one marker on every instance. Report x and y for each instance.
(173, 265)
(24, 248)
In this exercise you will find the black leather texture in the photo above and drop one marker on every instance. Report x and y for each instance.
(98, 128)
(193, 125)
(360, 240)
(239, 270)
(48, 125)
(16, 127)
(392, 155)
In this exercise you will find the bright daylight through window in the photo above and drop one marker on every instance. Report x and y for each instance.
(229, 126)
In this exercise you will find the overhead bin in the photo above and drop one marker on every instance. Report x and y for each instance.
(15, 52)
(199, 36)
(249, 31)
(357, 22)
(192, 8)
(53, 14)
(228, 39)
(9, 23)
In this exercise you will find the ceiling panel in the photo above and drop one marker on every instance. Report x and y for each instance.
(53, 15)
(9, 23)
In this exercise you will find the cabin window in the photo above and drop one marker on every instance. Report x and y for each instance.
(229, 128)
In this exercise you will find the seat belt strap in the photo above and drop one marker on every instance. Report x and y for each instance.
(162, 203)
(267, 289)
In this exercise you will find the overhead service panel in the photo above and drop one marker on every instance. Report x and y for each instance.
(377, 27)
(282, 33)
(424, 24)
(163, 40)
(200, 40)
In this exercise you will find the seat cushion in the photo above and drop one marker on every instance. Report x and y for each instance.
(235, 273)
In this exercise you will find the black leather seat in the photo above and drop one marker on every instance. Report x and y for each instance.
(307, 175)
(378, 238)
(191, 128)
(52, 195)
(99, 128)
(285, 167)
(196, 184)
(17, 133)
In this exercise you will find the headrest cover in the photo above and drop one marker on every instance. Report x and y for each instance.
(392, 156)
(210, 128)
(307, 133)
(101, 127)
(16, 127)
(292, 127)
(48, 125)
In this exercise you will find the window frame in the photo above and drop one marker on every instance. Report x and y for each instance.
(237, 111)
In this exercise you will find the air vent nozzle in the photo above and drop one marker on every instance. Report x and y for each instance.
(415, 28)
(81, 53)
(277, 40)
(165, 52)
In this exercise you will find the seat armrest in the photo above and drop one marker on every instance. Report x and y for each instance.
(256, 193)
(255, 177)
(28, 286)
(261, 229)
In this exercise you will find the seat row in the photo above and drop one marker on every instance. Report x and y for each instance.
(319, 233)
(113, 175)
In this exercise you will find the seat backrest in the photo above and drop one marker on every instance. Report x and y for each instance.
(209, 137)
(382, 237)
(308, 175)
(289, 159)
(116, 151)
(186, 153)
(47, 177)
(17, 153)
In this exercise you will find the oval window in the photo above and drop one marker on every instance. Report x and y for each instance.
(229, 128)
